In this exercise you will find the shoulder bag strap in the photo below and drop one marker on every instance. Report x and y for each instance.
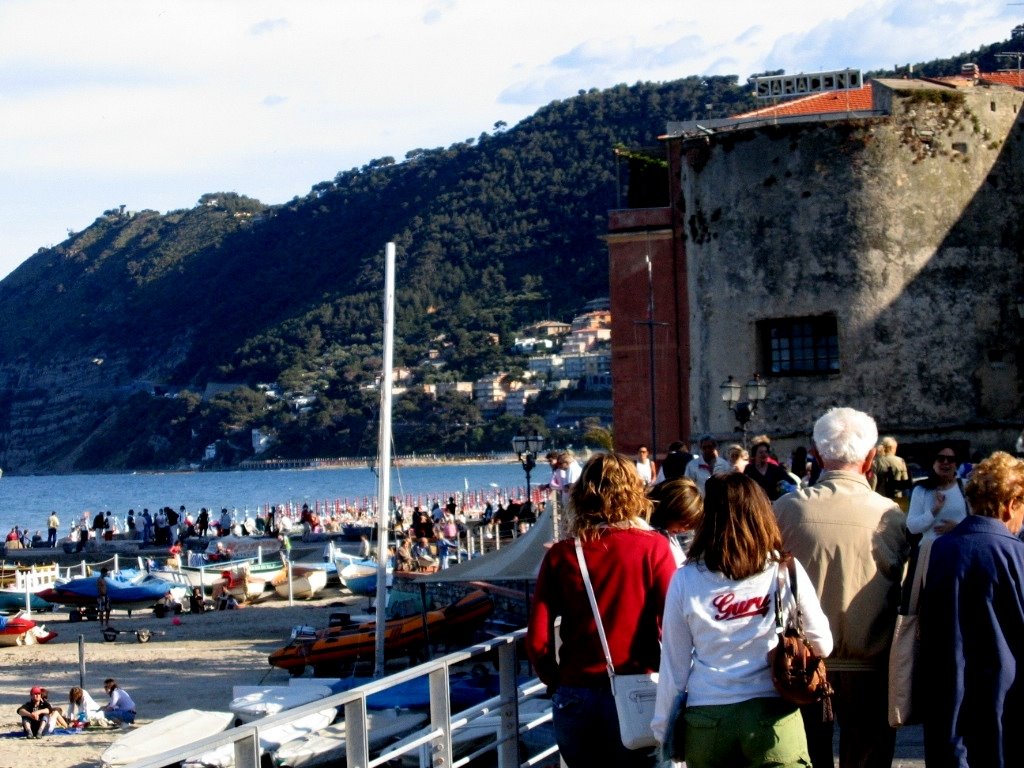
(798, 619)
(593, 606)
(780, 624)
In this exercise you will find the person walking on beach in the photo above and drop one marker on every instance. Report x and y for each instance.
(102, 599)
(52, 524)
(853, 543)
(120, 707)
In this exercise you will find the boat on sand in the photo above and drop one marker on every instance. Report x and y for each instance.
(329, 648)
(169, 732)
(306, 582)
(328, 745)
(251, 702)
(270, 740)
(18, 630)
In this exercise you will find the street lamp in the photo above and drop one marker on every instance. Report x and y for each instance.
(526, 449)
(757, 391)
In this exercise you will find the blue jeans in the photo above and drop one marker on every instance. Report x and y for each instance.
(124, 715)
(587, 730)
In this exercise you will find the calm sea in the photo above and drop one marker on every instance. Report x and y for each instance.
(27, 501)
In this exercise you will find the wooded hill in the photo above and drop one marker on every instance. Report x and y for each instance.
(492, 233)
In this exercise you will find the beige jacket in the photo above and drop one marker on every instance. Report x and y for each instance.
(853, 544)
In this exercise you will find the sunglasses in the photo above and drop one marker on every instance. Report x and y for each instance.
(945, 458)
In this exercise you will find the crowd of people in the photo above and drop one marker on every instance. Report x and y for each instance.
(685, 569)
(39, 717)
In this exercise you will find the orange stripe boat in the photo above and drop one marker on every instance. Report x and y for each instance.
(335, 646)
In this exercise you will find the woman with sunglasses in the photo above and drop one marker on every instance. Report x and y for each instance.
(938, 502)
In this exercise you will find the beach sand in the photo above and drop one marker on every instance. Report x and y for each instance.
(194, 664)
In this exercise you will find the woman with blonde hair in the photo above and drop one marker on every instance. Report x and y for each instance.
(972, 626)
(719, 626)
(630, 566)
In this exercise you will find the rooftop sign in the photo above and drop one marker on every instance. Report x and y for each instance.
(782, 86)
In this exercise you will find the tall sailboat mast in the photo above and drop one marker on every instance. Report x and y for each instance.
(384, 457)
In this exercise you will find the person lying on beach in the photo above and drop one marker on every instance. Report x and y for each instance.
(35, 715)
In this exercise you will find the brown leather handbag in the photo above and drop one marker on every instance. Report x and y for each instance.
(798, 673)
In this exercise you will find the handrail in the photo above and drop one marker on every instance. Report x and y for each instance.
(245, 738)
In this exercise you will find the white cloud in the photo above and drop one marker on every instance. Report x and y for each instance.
(153, 104)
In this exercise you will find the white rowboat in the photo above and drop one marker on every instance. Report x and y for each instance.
(169, 732)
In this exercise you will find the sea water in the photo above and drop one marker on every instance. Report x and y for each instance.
(28, 501)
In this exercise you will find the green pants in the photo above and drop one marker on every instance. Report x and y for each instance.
(750, 734)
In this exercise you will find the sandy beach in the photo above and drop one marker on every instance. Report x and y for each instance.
(194, 664)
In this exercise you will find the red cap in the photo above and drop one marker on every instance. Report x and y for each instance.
(36, 689)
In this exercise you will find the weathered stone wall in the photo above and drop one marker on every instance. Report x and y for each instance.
(907, 227)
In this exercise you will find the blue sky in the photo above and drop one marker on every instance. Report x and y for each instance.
(152, 103)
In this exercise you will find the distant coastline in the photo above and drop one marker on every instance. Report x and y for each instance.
(340, 462)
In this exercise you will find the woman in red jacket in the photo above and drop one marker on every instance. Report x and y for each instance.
(630, 568)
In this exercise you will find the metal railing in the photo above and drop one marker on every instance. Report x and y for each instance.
(437, 737)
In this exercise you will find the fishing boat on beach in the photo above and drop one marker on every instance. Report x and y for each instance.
(306, 582)
(21, 587)
(19, 630)
(330, 648)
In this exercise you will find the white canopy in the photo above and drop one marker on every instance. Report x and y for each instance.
(517, 561)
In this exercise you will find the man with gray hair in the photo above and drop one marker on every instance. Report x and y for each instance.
(853, 544)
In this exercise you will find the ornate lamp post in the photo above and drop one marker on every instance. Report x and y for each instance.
(526, 449)
(743, 410)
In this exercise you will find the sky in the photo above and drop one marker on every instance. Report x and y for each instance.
(152, 103)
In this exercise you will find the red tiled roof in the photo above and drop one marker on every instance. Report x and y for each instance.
(1014, 79)
(855, 100)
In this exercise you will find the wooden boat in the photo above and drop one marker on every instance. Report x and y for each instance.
(166, 733)
(14, 600)
(361, 578)
(18, 630)
(240, 584)
(335, 646)
(306, 582)
(251, 702)
(328, 745)
(270, 740)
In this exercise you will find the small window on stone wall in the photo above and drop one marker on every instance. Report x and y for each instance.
(800, 346)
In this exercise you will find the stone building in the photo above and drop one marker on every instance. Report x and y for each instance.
(861, 248)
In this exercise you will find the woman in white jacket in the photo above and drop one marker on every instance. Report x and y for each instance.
(83, 706)
(718, 627)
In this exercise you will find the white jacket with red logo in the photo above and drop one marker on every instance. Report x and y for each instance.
(716, 634)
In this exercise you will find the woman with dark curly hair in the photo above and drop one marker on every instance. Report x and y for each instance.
(972, 627)
(630, 567)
